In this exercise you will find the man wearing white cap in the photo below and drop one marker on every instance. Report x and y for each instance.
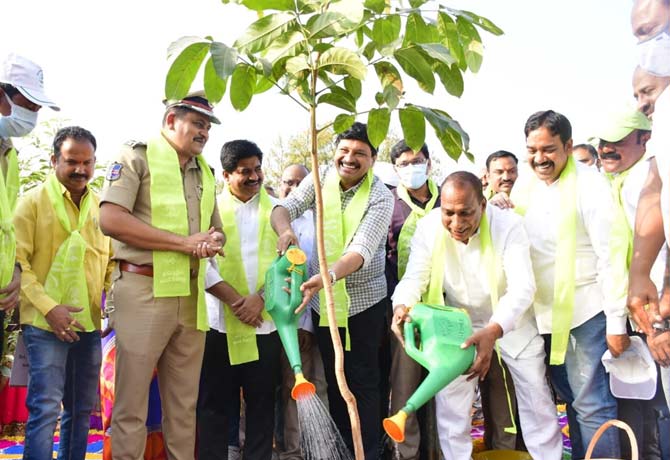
(622, 140)
(159, 206)
(21, 96)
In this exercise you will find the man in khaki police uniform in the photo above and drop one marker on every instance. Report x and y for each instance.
(157, 325)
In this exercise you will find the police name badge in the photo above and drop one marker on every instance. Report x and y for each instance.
(114, 172)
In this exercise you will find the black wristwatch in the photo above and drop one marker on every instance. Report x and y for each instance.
(18, 265)
(661, 326)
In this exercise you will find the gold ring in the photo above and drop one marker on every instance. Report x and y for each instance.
(63, 333)
(68, 329)
(646, 307)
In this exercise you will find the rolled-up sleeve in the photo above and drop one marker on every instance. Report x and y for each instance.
(212, 276)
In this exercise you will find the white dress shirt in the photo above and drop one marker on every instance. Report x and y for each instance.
(246, 216)
(594, 290)
(630, 193)
(466, 282)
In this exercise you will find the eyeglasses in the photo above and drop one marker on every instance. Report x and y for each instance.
(415, 162)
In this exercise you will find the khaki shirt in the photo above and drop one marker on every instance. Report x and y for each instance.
(131, 190)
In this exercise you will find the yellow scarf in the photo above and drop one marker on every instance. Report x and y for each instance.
(9, 188)
(242, 346)
(168, 212)
(341, 229)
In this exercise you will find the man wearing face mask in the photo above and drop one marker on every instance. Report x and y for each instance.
(650, 20)
(21, 96)
(415, 196)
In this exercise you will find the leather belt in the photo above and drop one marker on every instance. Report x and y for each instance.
(146, 270)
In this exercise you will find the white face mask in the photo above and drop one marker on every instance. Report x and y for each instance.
(654, 54)
(19, 123)
(413, 176)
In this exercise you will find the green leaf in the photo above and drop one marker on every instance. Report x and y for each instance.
(377, 6)
(379, 98)
(451, 78)
(354, 10)
(342, 61)
(453, 138)
(386, 30)
(341, 17)
(353, 87)
(417, 31)
(482, 22)
(469, 156)
(416, 66)
(474, 55)
(359, 38)
(339, 98)
(369, 51)
(391, 96)
(413, 126)
(389, 75)
(215, 87)
(224, 59)
(343, 122)
(297, 64)
(263, 66)
(177, 46)
(447, 28)
(416, 3)
(242, 85)
(287, 45)
(438, 52)
(261, 34)
(378, 125)
(325, 78)
(262, 5)
(263, 84)
(184, 69)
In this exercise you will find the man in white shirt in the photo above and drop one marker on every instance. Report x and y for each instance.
(463, 209)
(579, 310)
(242, 347)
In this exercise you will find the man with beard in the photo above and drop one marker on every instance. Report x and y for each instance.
(66, 265)
(355, 243)
(242, 348)
(568, 211)
(650, 20)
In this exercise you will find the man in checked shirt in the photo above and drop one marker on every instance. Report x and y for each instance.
(357, 214)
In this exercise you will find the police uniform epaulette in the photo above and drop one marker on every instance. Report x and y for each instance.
(135, 144)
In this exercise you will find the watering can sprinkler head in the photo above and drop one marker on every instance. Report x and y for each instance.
(395, 426)
(442, 330)
(303, 388)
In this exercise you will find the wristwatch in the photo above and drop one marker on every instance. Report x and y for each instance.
(333, 277)
(261, 293)
(661, 326)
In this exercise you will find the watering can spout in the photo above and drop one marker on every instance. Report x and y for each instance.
(395, 426)
(302, 388)
(442, 330)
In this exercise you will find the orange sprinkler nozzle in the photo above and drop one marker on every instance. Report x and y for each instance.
(395, 426)
(302, 387)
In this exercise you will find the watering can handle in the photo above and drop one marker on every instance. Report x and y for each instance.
(410, 343)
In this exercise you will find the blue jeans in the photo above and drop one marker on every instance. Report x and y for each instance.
(60, 372)
(583, 383)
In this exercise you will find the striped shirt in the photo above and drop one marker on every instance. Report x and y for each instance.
(367, 285)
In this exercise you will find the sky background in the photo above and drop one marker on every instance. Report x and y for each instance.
(105, 64)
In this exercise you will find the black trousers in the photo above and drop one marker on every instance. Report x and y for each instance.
(220, 385)
(361, 368)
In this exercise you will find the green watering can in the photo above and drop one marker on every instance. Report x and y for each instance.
(442, 330)
(281, 306)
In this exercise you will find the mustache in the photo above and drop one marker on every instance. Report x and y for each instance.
(200, 139)
(610, 156)
(533, 164)
(78, 176)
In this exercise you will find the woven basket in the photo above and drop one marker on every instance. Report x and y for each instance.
(602, 429)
